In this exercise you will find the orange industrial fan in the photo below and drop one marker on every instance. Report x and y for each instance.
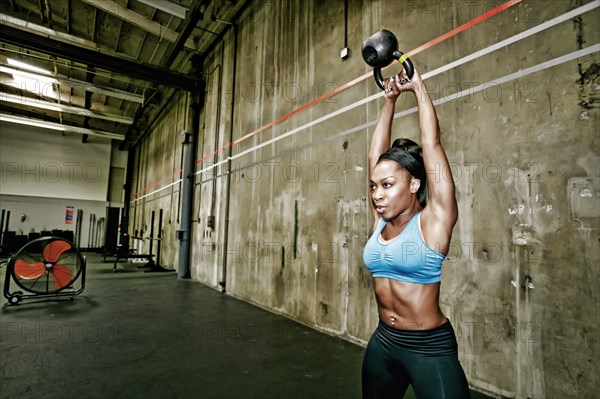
(48, 266)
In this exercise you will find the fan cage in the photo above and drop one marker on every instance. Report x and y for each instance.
(47, 266)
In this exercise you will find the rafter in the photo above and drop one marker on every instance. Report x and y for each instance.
(189, 25)
(39, 29)
(138, 20)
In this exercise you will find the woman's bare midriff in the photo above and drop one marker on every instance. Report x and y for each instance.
(408, 306)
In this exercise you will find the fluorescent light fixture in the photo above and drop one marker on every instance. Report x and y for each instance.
(34, 86)
(11, 98)
(107, 91)
(57, 126)
(29, 75)
(24, 65)
(31, 82)
(167, 6)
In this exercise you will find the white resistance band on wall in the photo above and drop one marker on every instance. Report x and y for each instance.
(543, 26)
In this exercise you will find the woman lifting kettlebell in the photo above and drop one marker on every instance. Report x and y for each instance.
(414, 343)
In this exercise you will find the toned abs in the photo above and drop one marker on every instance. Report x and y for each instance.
(414, 306)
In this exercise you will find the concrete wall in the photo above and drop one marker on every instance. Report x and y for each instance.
(158, 159)
(286, 227)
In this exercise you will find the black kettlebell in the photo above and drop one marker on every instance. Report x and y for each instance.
(380, 50)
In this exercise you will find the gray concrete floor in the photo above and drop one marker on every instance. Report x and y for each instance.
(133, 334)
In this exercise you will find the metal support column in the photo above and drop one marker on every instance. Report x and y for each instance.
(190, 138)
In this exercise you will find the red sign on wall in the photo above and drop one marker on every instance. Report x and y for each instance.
(69, 215)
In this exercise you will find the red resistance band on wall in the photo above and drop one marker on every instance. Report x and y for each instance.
(332, 93)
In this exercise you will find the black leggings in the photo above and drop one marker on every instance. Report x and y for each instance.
(425, 359)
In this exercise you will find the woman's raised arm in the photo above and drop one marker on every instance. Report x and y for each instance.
(441, 212)
(381, 140)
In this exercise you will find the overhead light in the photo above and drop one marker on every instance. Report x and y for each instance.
(24, 65)
(57, 126)
(11, 98)
(167, 6)
(32, 82)
(106, 91)
(29, 75)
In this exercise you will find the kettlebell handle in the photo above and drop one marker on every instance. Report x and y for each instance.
(406, 63)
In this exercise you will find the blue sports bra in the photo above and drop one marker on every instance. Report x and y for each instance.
(406, 257)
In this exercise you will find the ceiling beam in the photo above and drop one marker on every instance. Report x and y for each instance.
(188, 27)
(69, 109)
(43, 30)
(57, 126)
(168, 7)
(138, 20)
(22, 38)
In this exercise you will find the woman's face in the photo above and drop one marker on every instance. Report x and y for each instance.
(392, 189)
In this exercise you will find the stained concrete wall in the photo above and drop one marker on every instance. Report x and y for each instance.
(282, 224)
(155, 185)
